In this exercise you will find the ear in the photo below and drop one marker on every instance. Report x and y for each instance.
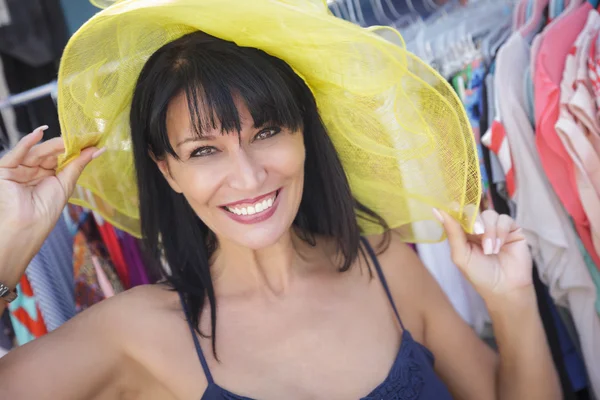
(163, 166)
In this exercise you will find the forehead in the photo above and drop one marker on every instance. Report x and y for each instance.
(182, 123)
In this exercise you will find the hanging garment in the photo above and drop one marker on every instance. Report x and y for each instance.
(87, 288)
(25, 315)
(555, 45)
(51, 276)
(6, 331)
(540, 213)
(577, 133)
(500, 198)
(135, 266)
(111, 242)
(469, 305)
(594, 70)
(7, 115)
(467, 84)
(103, 280)
(30, 48)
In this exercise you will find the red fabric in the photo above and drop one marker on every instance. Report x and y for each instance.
(111, 241)
(499, 145)
(557, 41)
(36, 327)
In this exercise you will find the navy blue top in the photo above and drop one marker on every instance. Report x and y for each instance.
(411, 377)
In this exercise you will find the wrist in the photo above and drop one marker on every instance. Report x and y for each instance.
(514, 303)
(16, 252)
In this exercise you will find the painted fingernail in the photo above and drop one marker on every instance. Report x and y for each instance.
(478, 229)
(488, 247)
(498, 246)
(98, 153)
(438, 215)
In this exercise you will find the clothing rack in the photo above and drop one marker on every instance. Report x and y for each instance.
(49, 89)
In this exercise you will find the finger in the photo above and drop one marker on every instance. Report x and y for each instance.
(504, 226)
(69, 175)
(457, 237)
(490, 220)
(16, 156)
(40, 152)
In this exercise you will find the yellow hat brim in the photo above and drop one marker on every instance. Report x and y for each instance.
(400, 130)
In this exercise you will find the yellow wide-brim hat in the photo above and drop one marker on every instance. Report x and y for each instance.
(400, 130)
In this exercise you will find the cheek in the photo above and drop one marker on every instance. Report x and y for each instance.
(287, 158)
(199, 183)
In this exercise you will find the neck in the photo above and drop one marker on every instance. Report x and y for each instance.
(269, 271)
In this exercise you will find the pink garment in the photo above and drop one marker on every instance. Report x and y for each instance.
(556, 42)
(594, 71)
(103, 281)
(545, 223)
(577, 129)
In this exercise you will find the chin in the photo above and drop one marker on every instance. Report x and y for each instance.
(260, 238)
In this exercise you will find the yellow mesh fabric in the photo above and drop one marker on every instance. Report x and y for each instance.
(400, 130)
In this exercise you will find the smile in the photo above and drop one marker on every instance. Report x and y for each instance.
(253, 210)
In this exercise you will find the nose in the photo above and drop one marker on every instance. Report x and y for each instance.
(247, 172)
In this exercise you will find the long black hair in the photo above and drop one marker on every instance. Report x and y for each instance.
(214, 72)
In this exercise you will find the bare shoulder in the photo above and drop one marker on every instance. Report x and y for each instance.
(401, 265)
(127, 315)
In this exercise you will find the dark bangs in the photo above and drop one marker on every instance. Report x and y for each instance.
(213, 75)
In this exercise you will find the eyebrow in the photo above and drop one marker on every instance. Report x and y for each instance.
(194, 139)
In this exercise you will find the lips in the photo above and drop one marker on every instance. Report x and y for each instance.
(252, 206)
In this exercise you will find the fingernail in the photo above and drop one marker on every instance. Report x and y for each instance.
(487, 246)
(478, 229)
(438, 215)
(498, 246)
(98, 153)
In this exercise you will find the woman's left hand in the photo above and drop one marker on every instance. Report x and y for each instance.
(497, 261)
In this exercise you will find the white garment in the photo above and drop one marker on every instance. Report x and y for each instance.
(545, 223)
(460, 292)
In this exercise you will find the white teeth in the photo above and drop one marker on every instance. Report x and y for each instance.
(251, 210)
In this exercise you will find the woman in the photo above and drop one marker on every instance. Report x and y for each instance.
(242, 191)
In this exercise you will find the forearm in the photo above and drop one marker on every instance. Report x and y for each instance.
(16, 251)
(526, 369)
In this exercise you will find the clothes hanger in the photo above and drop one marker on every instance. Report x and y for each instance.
(365, 12)
(491, 42)
(341, 6)
(390, 5)
(352, 12)
(379, 12)
(335, 9)
(519, 15)
(534, 24)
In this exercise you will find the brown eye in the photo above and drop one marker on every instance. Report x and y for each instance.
(267, 133)
(203, 151)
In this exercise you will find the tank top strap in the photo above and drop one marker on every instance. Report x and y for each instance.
(373, 257)
(209, 377)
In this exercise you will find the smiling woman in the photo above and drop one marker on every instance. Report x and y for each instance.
(275, 147)
(229, 126)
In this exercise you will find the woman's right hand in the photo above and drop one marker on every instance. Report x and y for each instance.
(32, 197)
